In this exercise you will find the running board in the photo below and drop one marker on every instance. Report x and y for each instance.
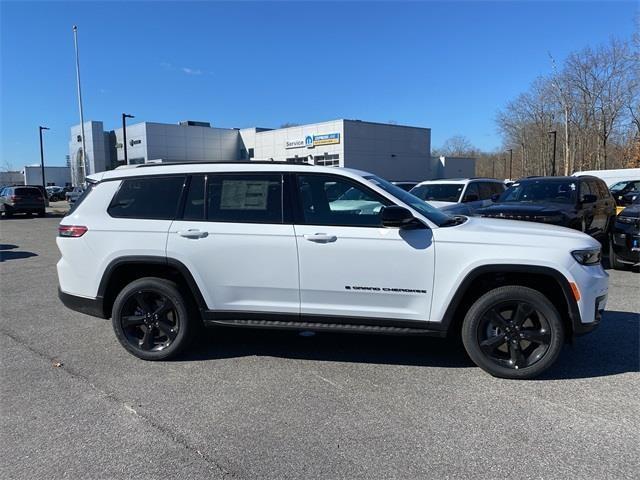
(321, 326)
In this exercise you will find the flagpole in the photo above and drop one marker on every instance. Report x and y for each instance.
(84, 147)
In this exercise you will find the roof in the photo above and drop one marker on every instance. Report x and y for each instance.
(208, 167)
(461, 181)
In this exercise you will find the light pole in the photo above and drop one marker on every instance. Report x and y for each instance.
(553, 161)
(124, 136)
(44, 184)
(80, 110)
(511, 164)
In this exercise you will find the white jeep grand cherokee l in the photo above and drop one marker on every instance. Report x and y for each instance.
(163, 249)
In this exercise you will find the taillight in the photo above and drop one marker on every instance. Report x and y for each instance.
(73, 231)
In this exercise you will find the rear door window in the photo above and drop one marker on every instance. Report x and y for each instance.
(155, 198)
(245, 198)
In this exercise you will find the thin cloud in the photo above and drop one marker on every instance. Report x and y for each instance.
(166, 65)
(192, 71)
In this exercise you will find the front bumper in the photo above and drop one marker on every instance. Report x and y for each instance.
(593, 285)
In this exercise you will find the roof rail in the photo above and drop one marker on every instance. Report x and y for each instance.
(243, 162)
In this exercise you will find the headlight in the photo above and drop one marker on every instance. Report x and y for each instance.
(587, 257)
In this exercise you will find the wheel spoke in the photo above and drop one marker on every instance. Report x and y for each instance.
(132, 321)
(167, 329)
(517, 358)
(496, 319)
(142, 302)
(536, 336)
(164, 308)
(521, 313)
(490, 344)
(147, 340)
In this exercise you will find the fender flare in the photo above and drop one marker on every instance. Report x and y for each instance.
(463, 287)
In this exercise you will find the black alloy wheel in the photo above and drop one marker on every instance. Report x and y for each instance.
(513, 332)
(151, 319)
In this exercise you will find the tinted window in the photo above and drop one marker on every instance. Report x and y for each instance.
(358, 206)
(585, 189)
(439, 192)
(553, 191)
(28, 192)
(471, 194)
(249, 198)
(151, 198)
(194, 204)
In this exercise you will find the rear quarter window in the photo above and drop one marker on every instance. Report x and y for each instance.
(154, 198)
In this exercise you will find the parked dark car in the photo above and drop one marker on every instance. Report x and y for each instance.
(582, 203)
(27, 200)
(624, 191)
(624, 249)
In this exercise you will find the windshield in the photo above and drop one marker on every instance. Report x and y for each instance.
(618, 186)
(439, 192)
(540, 191)
(432, 213)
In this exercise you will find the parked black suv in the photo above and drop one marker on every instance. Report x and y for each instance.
(27, 200)
(624, 249)
(582, 203)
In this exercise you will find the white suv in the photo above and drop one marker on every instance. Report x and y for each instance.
(163, 249)
(443, 193)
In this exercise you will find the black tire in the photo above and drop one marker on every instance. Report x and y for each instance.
(519, 345)
(613, 259)
(42, 213)
(151, 319)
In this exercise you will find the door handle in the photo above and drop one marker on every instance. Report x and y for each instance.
(193, 233)
(321, 238)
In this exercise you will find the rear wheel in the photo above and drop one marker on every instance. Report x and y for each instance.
(42, 213)
(513, 332)
(151, 319)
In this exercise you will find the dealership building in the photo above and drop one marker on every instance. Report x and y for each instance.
(396, 152)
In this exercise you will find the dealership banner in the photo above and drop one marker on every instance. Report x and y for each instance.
(311, 141)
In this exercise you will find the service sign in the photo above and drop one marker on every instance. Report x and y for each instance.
(294, 143)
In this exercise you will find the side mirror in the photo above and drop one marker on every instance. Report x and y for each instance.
(394, 216)
(588, 198)
(472, 197)
(495, 197)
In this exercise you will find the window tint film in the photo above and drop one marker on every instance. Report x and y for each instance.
(248, 198)
(472, 193)
(151, 198)
(328, 200)
(194, 204)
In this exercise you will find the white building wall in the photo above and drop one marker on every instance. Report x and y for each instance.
(96, 154)
(60, 176)
(456, 167)
(178, 143)
(394, 152)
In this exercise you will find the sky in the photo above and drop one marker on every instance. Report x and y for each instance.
(449, 66)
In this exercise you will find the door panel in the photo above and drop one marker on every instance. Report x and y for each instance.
(349, 264)
(232, 238)
(365, 272)
(245, 267)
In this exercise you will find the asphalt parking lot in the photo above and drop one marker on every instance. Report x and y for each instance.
(253, 404)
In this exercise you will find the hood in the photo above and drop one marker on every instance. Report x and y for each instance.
(524, 209)
(494, 231)
(438, 204)
(631, 211)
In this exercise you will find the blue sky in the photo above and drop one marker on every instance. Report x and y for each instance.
(445, 65)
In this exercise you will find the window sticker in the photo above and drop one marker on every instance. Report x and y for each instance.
(244, 195)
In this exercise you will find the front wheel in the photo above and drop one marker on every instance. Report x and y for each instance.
(513, 332)
(151, 319)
